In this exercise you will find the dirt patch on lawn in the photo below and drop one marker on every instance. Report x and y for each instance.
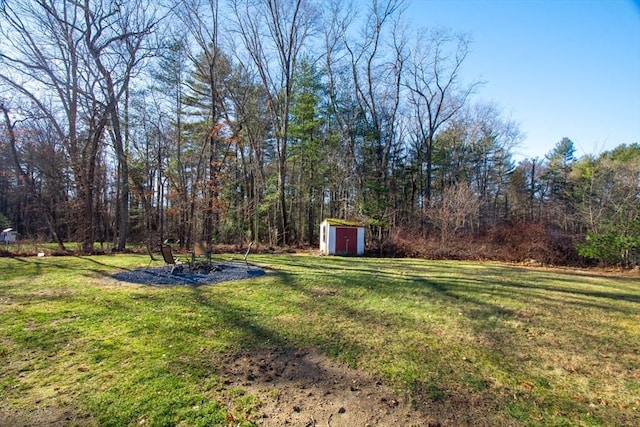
(46, 416)
(305, 388)
(302, 388)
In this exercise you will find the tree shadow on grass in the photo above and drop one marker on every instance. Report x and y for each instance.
(35, 266)
(298, 378)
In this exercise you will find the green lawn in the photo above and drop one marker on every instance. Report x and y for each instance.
(501, 343)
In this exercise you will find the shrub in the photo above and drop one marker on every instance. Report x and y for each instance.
(611, 248)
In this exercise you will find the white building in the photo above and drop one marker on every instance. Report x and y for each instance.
(340, 237)
(8, 235)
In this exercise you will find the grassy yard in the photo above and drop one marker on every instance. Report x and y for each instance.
(492, 343)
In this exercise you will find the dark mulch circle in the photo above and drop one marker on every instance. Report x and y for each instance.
(164, 276)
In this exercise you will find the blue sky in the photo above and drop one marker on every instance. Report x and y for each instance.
(557, 67)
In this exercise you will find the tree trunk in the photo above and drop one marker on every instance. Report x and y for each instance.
(282, 168)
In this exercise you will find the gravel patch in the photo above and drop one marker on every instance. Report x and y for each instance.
(162, 275)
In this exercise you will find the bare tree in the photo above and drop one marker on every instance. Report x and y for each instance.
(115, 42)
(250, 124)
(73, 62)
(45, 208)
(274, 33)
(474, 149)
(338, 16)
(435, 90)
(457, 209)
(377, 69)
(201, 19)
(44, 63)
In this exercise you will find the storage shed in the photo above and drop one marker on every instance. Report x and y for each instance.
(340, 237)
(8, 235)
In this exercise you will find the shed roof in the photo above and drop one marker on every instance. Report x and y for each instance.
(343, 222)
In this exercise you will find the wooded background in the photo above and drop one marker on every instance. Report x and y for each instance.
(242, 120)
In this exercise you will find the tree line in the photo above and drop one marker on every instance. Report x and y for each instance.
(241, 120)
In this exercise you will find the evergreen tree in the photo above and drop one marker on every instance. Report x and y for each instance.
(308, 152)
(206, 134)
(559, 163)
(612, 207)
